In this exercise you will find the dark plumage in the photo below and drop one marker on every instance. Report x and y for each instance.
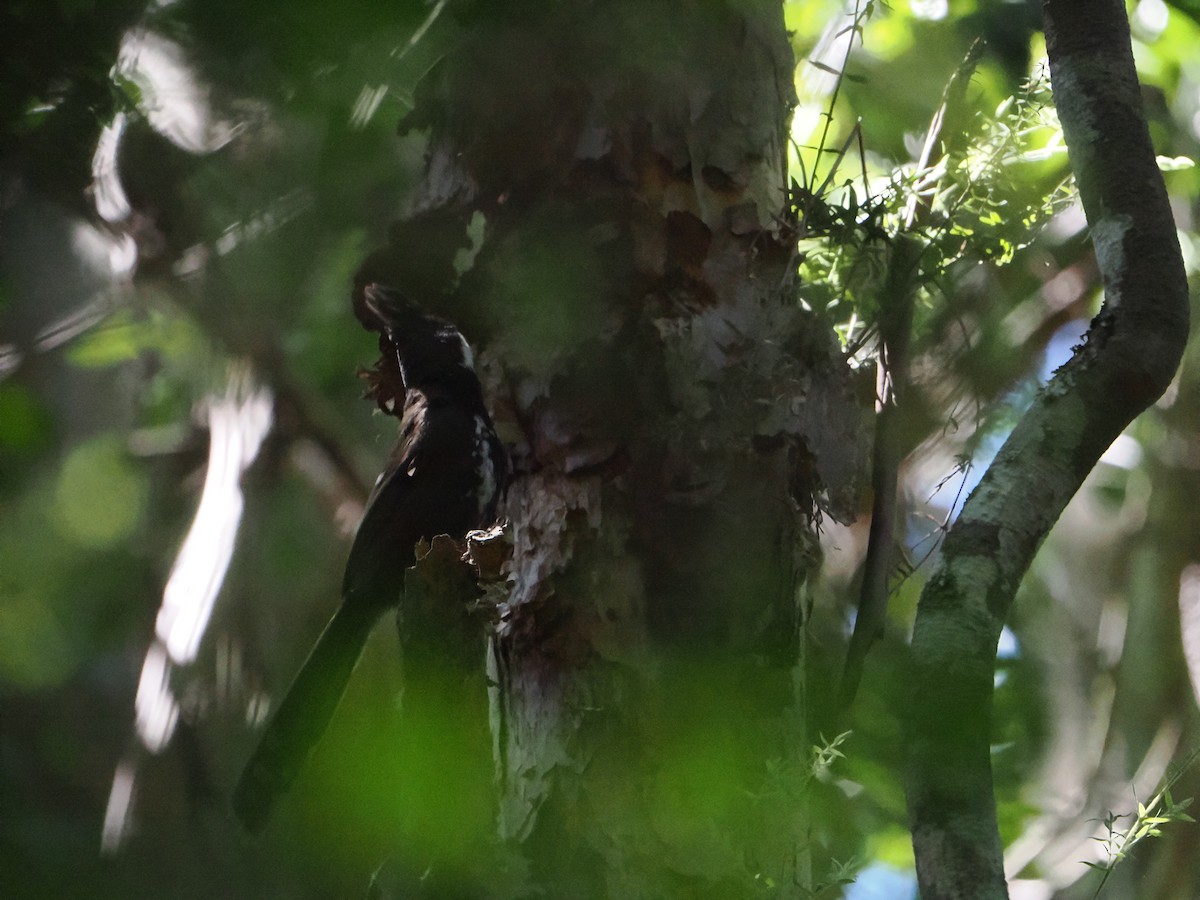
(445, 476)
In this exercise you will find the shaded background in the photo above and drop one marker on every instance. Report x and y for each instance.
(185, 191)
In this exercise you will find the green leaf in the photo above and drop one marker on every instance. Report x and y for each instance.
(100, 496)
(126, 335)
(24, 424)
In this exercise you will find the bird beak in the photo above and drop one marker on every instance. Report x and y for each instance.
(386, 304)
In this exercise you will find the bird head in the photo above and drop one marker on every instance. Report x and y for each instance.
(427, 348)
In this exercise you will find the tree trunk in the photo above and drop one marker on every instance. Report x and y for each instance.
(1126, 362)
(605, 214)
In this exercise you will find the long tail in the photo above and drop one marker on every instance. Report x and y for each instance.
(303, 716)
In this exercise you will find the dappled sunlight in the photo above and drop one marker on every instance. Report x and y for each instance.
(1071, 831)
(108, 193)
(238, 421)
(113, 258)
(116, 814)
(674, 235)
(277, 213)
(155, 709)
(10, 359)
(932, 10)
(75, 323)
(1189, 620)
(817, 78)
(171, 97)
(1150, 18)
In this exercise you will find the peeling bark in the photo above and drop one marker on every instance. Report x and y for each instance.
(675, 419)
(1127, 360)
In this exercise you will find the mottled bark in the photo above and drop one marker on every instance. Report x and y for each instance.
(615, 179)
(1128, 359)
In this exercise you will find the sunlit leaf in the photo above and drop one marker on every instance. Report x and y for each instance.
(1175, 163)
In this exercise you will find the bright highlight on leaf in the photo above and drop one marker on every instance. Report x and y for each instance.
(1175, 163)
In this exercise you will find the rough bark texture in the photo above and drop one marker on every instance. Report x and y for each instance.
(611, 178)
(1127, 361)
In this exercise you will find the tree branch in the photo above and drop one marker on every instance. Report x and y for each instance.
(1126, 361)
(895, 333)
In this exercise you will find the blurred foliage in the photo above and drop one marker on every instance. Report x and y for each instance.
(1005, 288)
(253, 212)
